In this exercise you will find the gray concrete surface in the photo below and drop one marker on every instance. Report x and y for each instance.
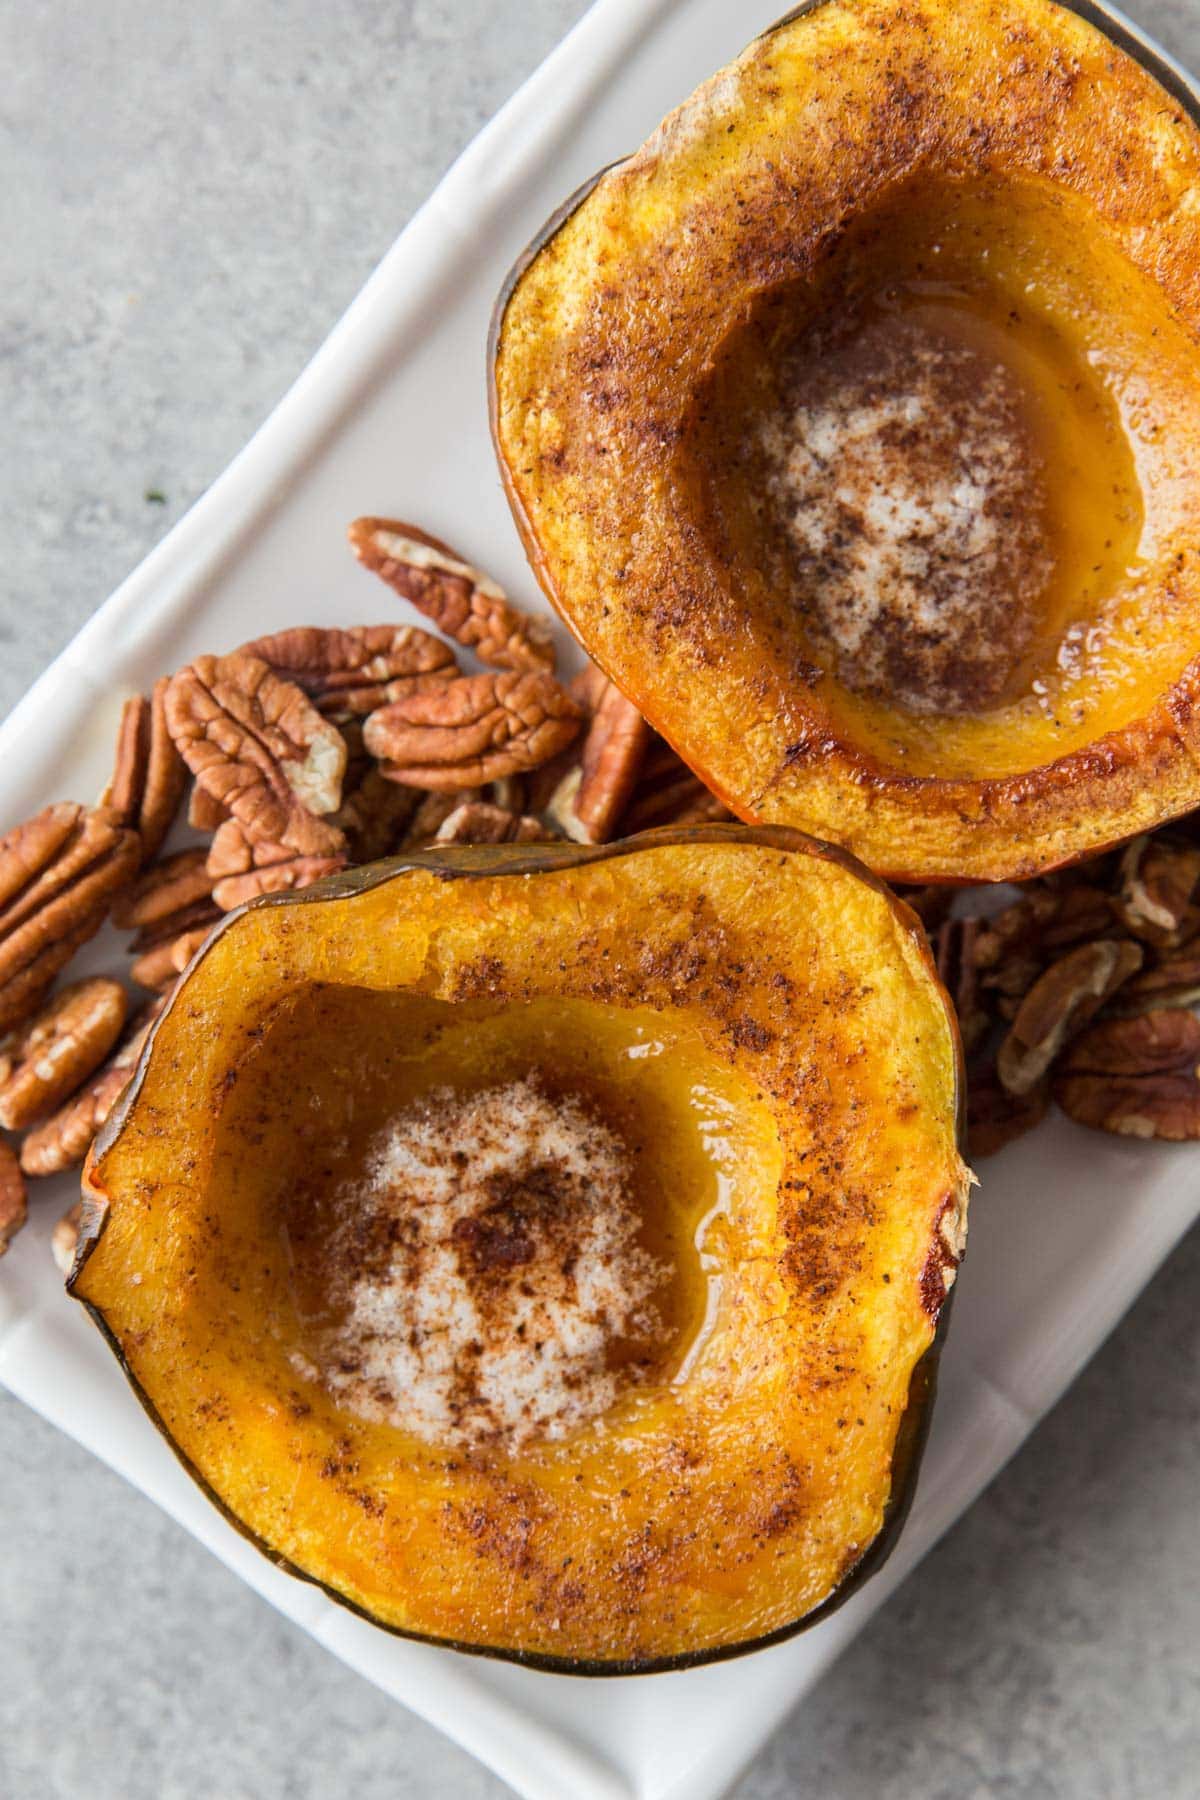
(188, 197)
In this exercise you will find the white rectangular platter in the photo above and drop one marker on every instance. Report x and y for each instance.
(391, 418)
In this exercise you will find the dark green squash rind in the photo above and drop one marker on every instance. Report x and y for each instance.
(465, 862)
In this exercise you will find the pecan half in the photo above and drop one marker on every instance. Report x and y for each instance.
(13, 1205)
(242, 869)
(954, 954)
(463, 603)
(47, 1059)
(1136, 1077)
(1173, 980)
(432, 812)
(123, 795)
(158, 966)
(1158, 879)
(931, 904)
(62, 1141)
(667, 793)
(257, 744)
(149, 775)
(59, 874)
(478, 822)
(476, 729)
(375, 813)
(996, 1117)
(1016, 945)
(1058, 1006)
(64, 1239)
(164, 889)
(359, 669)
(594, 791)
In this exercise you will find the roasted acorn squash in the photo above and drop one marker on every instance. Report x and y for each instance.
(853, 425)
(734, 1387)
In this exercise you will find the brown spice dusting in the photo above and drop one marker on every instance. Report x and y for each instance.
(504, 1283)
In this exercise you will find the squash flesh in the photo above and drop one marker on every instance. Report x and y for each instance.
(1079, 173)
(714, 1506)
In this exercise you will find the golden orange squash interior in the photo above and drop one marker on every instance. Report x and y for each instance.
(760, 1025)
(853, 424)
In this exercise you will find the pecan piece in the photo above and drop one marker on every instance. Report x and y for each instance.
(163, 890)
(1136, 1077)
(359, 669)
(375, 813)
(123, 795)
(13, 1205)
(1158, 878)
(463, 603)
(432, 812)
(259, 747)
(595, 789)
(954, 955)
(996, 1117)
(1174, 980)
(476, 729)
(931, 904)
(149, 776)
(166, 958)
(668, 793)
(59, 874)
(1058, 1006)
(242, 869)
(63, 1140)
(478, 822)
(64, 1240)
(47, 1059)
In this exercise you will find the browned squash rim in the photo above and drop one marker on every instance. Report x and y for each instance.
(465, 862)
(1108, 754)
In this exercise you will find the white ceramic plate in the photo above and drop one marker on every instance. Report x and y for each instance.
(390, 418)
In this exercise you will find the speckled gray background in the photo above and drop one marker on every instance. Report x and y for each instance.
(189, 195)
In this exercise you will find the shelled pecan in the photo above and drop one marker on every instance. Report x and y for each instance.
(996, 1117)
(149, 775)
(954, 954)
(47, 1058)
(375, 813)
(478, 822)
(62, 1141)
(668, 793)
(242, 869)
(931, 904)
(59, 874)
(1170, 979)
(1158, 879)
(1136, 1077)
(473, 730)
(433, 810)
(13, 1202)
(1059, 1004)
(359, 669)
(157, 967)
(259, 747)
(462, 602)
(64, 1239)
(595, 788)
(164, 890)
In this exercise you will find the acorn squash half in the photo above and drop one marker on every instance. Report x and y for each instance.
(853, 425)
(543, 1249)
